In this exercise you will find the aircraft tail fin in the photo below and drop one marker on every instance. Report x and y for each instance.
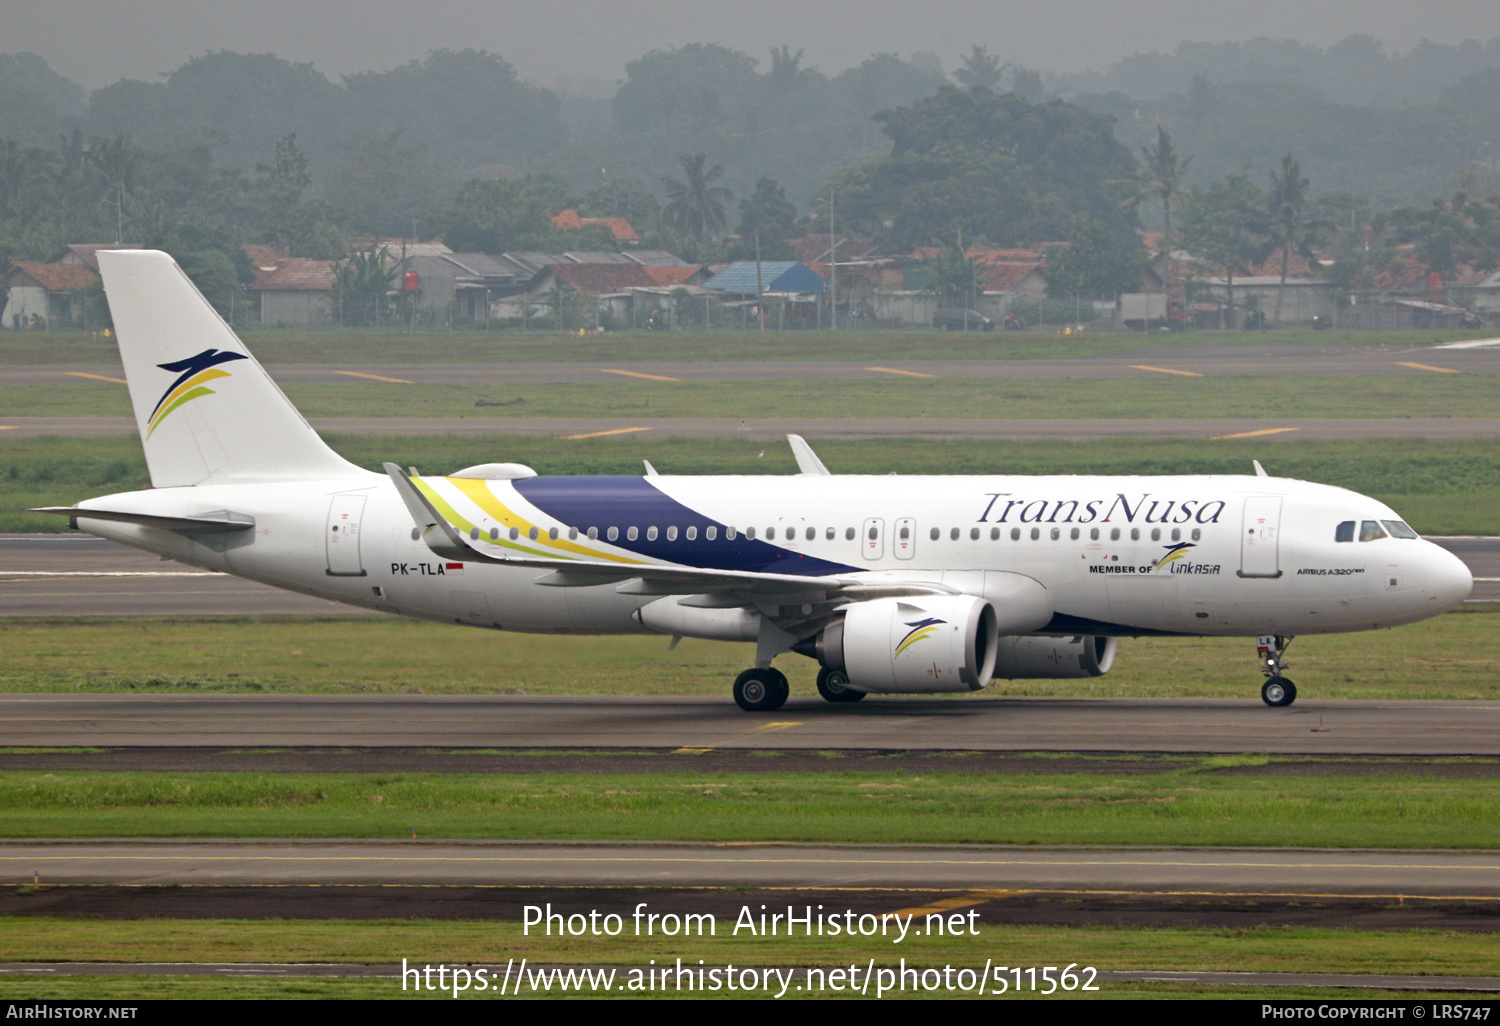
(208, 413)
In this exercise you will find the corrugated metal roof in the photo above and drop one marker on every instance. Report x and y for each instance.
(87, 253)
(672, 275)
(656, 258)
(597, 257)
(775, 276)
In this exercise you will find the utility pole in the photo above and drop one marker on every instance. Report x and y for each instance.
(833, 271)
(760, 288)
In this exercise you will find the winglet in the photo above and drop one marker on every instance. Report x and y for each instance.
(1260, 471)
(650, 470)
(447, 543)
(807, 460)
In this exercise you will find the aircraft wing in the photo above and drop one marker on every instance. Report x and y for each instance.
(729, 587)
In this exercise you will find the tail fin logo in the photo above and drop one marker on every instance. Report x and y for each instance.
(192, 374)
(920, 629)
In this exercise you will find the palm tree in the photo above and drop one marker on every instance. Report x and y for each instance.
(1288, 225)
(1160, 178)
(981, 68)
(698, 206)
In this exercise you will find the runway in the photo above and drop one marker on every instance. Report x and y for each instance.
(1149, 361)
(624, 430)
(979, 724)
(66, 575)
(627, 864)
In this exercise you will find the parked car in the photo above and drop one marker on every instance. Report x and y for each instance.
(954, 318)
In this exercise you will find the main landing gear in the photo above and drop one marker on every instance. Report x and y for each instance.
(758, 690)
(1277, 691)
(834, 686)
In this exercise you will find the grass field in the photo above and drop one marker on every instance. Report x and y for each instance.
(34, 348)
(1208, 802)
(1406, 952)
(1456, 656)
(1415, 394)
(1438, 487)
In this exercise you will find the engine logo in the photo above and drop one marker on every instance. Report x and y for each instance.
(920, 629)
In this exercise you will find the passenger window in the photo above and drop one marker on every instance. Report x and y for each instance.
(750, 533)
(730, 533)
(1369, 530)
(494, 534)
(531, 534)
(770, 534)
(1036, 532)
(691, 533)
(905, 533)
(651, 533)
(631, 534)
(1073, 534)
(1344, 532)
(1156, 534)
(515, 532)
(874, 533)
(1056, 533)
(1114, 534)
(994, 534)
(1093, 534)
(1398, 529)
(572, 534)
(812, 532)
(848, 534)
(1135, 534)
(1015, 534)
(613, 533)
(672, 533)
(552, 533)
(416, 534)
(1197, 534)
(1176, 534)
(711, 533)
(831, 534)
(973, 534)
(935, 533)
(953, 534)
(593, 534)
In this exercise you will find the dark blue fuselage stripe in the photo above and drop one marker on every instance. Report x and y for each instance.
(626, 502)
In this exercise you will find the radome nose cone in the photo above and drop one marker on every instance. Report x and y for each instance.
(1448, 578)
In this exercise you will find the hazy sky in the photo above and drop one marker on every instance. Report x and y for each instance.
(96, 42)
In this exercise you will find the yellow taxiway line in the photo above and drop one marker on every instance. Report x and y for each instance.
(949, 904)
(1426, 367)
(907, 373)
(637, 374)
(601, 434)
(376, 377)
(1165, 370)
(764, 728)
(96, 377)
(8, 427)
(1254, 434)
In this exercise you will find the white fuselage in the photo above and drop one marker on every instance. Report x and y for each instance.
(1202, 555)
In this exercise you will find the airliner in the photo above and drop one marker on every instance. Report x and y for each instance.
(894, 584)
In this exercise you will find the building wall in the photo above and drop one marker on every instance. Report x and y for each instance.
(24, 301)
(295, 308)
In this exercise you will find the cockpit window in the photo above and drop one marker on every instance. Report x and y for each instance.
(1398, 529)
(1369, 530)
(1344, 532)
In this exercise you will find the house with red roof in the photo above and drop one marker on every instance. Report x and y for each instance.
(298, 291)
(46, 295)
(618, 226)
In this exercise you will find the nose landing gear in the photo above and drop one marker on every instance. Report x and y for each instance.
(1277, 691)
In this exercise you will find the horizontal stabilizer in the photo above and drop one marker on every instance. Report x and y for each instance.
(217, 522)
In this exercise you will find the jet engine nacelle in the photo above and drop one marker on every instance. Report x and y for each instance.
(1082, 655)
(941, 643)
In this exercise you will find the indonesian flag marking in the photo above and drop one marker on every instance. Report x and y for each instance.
(453, 568)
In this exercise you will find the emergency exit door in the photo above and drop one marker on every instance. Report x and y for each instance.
(1259, 542)
(341, 537)
(872, 538)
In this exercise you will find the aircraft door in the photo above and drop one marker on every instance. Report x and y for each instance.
(904, 545)
(1259, 541)
(872, 538)
(342, 536)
